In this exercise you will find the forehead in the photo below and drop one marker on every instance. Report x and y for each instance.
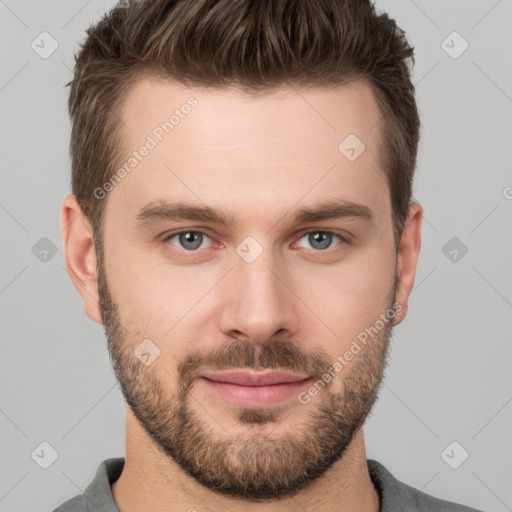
(330, 112)
(225, 146)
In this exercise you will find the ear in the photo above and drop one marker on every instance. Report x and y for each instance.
(408, 254)
(78, 242)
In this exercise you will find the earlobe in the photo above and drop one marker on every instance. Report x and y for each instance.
(401, 313)
(408, 255)
(80, 253)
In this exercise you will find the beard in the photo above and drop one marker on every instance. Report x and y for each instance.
(254, 465)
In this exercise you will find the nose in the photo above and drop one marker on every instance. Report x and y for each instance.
(258, 303)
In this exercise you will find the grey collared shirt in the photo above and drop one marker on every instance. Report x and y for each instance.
(395, 496)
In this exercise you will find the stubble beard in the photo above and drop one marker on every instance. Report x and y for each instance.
(260, 464)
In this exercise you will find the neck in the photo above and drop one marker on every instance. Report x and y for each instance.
(152, 481)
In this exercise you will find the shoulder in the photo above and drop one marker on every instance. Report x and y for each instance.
(76, 504)
(396, 495)
(98, 494)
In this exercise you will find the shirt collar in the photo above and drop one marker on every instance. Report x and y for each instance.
(389, 488)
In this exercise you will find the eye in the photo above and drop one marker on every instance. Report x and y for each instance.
(193, 240)
(320, 240)
(189, 240)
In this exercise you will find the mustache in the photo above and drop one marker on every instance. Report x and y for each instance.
(282, 354)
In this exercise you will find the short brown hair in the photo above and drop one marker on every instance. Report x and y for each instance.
(255, 45)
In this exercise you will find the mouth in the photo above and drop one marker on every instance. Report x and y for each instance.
(256, 388)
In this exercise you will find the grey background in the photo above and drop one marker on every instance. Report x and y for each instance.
(449, 377)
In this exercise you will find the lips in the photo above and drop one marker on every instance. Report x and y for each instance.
(255, 378)
(249, 388)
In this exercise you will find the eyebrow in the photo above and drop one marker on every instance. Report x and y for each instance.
(162, 210)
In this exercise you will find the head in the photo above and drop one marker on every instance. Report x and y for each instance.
(265, 124)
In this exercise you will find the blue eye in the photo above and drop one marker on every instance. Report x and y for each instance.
(193, 240)
(189, 240)
(321, 240)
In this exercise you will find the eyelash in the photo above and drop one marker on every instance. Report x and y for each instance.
(344, 240)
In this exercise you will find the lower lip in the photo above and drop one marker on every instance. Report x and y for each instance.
(257, 396)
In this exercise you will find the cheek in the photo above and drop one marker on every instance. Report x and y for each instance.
(162, 303)
(144, 307)
(348, 298)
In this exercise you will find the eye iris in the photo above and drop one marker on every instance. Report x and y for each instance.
(189, 239)
(323, 238)
(193, 239)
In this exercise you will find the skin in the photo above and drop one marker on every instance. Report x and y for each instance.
(257, 159)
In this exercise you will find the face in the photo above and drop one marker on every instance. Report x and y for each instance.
(299, 277)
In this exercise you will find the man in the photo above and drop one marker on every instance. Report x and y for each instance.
(241, 223)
